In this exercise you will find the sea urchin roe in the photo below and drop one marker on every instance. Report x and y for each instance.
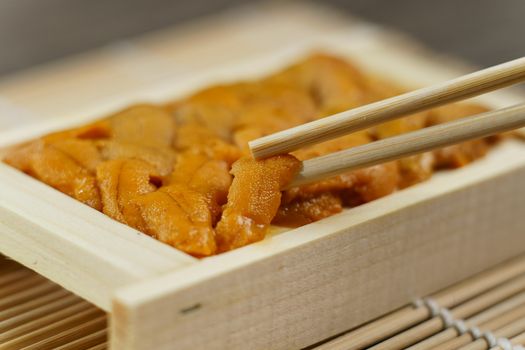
(461, 154)
(253, 199)
(166, 170)
(355, 187)
(376, 181)
(193, 138)
(215, 108)
(303, 211)
(334, 84)
(180, 217)
(120, 181)
(364, 184)
(84, 152)
(95, 131)
(145, 125)
(415, 169)
(49, 164)
(207, 176)
(162, 158)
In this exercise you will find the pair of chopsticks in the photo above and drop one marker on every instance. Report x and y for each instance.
(480, 125)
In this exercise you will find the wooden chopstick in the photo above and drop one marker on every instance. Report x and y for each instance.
(324, 129)
(423, 140)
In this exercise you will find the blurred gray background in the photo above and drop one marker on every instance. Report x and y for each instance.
(36, 31)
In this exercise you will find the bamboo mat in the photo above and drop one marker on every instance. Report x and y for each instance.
(36, 314)
(476, 314)
(484, 312)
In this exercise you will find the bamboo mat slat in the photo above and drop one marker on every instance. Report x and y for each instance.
(38, 314)
(466, 316)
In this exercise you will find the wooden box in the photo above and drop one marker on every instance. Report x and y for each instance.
(296, 287)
